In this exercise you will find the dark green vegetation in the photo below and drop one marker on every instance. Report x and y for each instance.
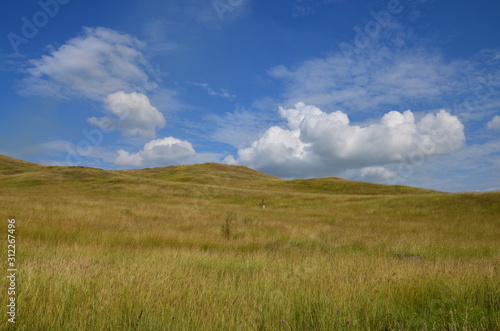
(191, 248)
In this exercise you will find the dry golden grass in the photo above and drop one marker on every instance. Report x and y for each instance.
(106, 251)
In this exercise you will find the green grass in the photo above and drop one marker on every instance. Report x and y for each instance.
(191, 248)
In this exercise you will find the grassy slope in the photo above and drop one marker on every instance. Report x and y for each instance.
(11, 166)
(192, 248)
(238, 176)
(24, 173)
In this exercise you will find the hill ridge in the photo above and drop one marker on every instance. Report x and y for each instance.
(14, 172)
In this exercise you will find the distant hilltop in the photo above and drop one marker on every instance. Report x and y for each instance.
(14, 172)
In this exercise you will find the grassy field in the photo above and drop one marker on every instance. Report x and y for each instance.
(192, 248)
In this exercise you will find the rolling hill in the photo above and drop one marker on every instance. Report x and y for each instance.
(22, 173)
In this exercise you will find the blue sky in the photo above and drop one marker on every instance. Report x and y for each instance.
(394, 92)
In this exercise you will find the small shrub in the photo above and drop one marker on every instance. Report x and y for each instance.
(226, 227)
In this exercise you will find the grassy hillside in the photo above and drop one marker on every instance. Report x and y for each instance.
(208, 173)
(239, 176)
(191, 248)
(22, 173)
(11, 166)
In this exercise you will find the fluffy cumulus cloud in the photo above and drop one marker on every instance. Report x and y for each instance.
(99, 62)
(316, 143)
(158, 152)
(134, 115)
(494, 124)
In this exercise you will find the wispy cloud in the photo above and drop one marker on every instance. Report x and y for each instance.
(370, 83)
(158, 38)
(9, 61)
(223, 93)
(394, 73)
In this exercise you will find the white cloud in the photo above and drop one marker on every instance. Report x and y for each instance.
(9, 61)
(277, 148)
(158, 152)
(157, 36)
(367, 83)
(316, 143)
(378, 174)
(99, 62)
(494, 124)
(230, 11)
(389, 74)
(56, 145)
(134, 115)
(223, 93)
